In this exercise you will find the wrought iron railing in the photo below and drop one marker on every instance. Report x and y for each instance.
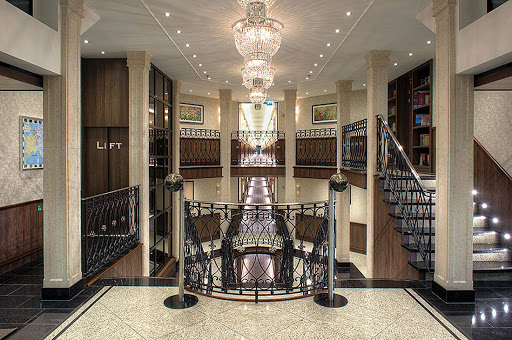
(110, 227)
(316, 147)
(354, 145)
(415, 202)
(199, 147)
(256, 250)
(257, 148)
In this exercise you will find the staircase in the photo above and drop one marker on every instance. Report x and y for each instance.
(411, 200)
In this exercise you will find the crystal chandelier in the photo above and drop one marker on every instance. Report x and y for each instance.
(257, 39)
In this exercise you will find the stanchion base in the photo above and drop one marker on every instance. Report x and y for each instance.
(337, 302)
(174, 301)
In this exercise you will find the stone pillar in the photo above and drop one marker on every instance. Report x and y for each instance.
(62, 177)
(343, 91)
(453, 278)
(377, 63)
(289, 125)
(138, 86)
(226, 127)
(176, 94)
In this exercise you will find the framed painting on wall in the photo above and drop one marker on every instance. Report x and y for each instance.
(191, 113)
(31, 143)
(325, 113)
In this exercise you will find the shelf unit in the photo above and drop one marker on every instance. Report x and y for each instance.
(392, 105)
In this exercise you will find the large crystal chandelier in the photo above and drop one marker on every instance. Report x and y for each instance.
(257, 39)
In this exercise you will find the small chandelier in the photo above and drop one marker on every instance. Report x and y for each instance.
(262, 37)
(258, 71)
(245, 3)
(258, 95)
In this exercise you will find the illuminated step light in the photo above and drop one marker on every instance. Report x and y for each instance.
(479, 217)
(474, 192)
(495, 220)
(507, 236)
(484, 205)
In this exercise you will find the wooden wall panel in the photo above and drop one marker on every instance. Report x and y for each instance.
(94, 162)
(21, 227)
(128, 266)
(494, 187)
(358, 237)
(313, 172)
(118, 171)
(391, 260)
(355, 177)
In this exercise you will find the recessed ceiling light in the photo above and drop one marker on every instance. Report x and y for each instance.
(316, 64)
(429, 42)
(204, 72)
(321, 55)
(102, 52)
(200, 65)
(410, 54)
(364, 85)
(209, 78)
(395, 64)
(337, 30)
(194, 56)
(208, 92)
(307, 92)
(178, 31)
(187, 45)
(289, 81)
(86, 41)
(311, 72)
(348, 14)
(325, 90)
(227, 81)
(190, 90)
(167, 14)
(328, 45)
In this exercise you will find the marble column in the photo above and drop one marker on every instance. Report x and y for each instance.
(138, 106)
(176, 98)
(288, 124)
(61, 178)
(226, 127)
(343, 91)
(453, 278)
(377, 63)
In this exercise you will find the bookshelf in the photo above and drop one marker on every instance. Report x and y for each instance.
(411, 119)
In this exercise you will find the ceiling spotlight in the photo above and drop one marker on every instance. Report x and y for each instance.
(474, 192)
(429, 42)
(310, 72)
(348, 14)
(289, 81)
(167, 14)
(208, 92)
(102, 52)
(364, 85)
(316, 64)
(484, 205)
(200, 65)
(495, 220)
(395, 64)
(307, 92)
(328, 44)
(325, 90)
(209, 78)
(190, 90)
(321, 55)
(227, 81)
(194, 56)
(204, 72)
(337, 30)
(86, 41)
(410, 54)
(187, 45)
(178, 31)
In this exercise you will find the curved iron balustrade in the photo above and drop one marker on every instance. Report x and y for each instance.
(257, 148)
(256, 250)
(110, 227)
(354, 145)
(316, 147)
(199, 147)
(415, 202)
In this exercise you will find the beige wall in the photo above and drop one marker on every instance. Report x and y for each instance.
(493, 124)
(304, 111)
(17, 186)
(311, 190)
(357, 205)
(211, 111)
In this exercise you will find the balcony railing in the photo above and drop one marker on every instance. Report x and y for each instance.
(257, 148)
(199, 147)
(110, 228)
(316, 147)
(354, 145)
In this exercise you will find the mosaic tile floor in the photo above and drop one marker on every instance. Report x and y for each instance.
(138, 313)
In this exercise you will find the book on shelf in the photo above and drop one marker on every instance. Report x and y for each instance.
(424, 159)
(392, 110)
(425, 80)
(421, 99)
(393, 127)
(422, 120)
(392, 94)
(425, 139)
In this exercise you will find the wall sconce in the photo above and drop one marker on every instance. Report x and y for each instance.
(298, 189)
(218, 188)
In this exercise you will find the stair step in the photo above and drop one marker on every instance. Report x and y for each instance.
(413, 248)
(421, 265)
(483, 266)
(399, 216)
(489, 248)
(405, 231)
(485, 236)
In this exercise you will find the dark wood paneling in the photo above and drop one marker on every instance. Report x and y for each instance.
(118, 172)
(208, 227)
(167, 269)
(357, 178)
(129, 265)
(306, 227)
(358, 237)
(391, 260)
(493, 75)
(313, 172)
(21, 227)
(104, 93)
(94, 162)
(494, 187)
(195, 172)
(258, 171)
(16, 73)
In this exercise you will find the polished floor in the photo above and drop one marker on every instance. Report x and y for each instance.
(370, 314)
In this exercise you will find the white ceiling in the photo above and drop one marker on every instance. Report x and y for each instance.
(9, 84)
(130, 25)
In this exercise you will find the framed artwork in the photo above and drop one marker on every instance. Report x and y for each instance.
(191, 113)
(31, 143)
(325, 113)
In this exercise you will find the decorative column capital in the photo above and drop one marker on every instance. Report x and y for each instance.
(136, 59)
(377, 58)
(439, 6)
(343, 86)
(75, 6)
